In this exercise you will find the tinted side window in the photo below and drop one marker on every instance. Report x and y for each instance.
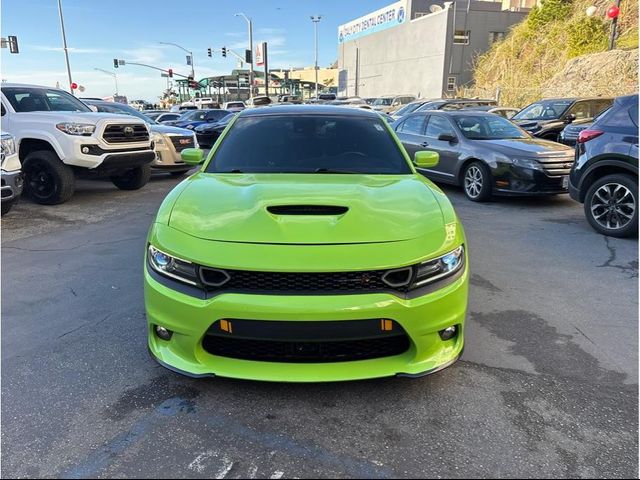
(617, 117)
(437, 125)
(598, 106)
(413, 125)
(633, 113)
(3, 110)
(580, 110)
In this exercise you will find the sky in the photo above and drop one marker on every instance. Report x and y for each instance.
(100, 30)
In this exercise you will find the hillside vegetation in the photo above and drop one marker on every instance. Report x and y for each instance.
(558, 50)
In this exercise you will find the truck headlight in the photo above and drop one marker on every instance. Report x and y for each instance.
(439, 268)
(170, 266)
(8, 146)
(529, 163)
(73, 128)
(158, 138)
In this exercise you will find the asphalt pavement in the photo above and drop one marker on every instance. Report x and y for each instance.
(547, 385)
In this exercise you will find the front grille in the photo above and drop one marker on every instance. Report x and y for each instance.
(308, 283)
(557, 166)
(182, 142)
(117, 133)
(332, 342)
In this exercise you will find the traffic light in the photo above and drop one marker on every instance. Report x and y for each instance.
(224, 51)
(115, 63)
(170, 71)
(209, 52)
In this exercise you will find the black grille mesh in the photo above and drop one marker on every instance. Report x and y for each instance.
(116, 134)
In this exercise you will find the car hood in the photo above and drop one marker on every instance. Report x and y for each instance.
(532, 125)
(528, 147)
(80, 117)
(239, 208)
(167, 129)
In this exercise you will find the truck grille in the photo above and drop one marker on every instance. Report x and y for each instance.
(182, 142)
(117, 133)
(557, 166)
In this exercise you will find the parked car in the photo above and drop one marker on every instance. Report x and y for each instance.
(205, 103)
(59, 137)
(208, 133)
(504, 112)
(410, 107)
(260, 101)
(193, 118)
(168, 141)
(370, 100)
(327, 96)
(152, 114)
(546, 118)
(456, 104)
(569, 134)
(168, 117)
(486, 154)
(11, 175)
(605, 174)
(182, 108)
(391, 103)
(235, 106)
(292, 255)
(291, 99)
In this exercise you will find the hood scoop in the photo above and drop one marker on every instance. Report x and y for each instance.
(307, 210)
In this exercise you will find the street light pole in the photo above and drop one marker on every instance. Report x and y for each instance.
(64, 44)
(188, 51)
(251, 50)
(316, 19)
(115, 77)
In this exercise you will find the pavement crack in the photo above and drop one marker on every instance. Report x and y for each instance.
(630, 268)
(84, 325)
(66, 249)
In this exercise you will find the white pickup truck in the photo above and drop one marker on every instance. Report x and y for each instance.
(59, 138)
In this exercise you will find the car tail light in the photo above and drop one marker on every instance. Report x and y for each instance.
(586, 135)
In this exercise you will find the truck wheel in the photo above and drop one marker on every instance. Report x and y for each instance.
(6, 206)
(611, 205)
(133, 179)
(48, 181)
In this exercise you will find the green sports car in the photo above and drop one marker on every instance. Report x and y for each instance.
(306, 248)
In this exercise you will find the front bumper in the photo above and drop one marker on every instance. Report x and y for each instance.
(12, 184)
(511, 180)
(421, 318)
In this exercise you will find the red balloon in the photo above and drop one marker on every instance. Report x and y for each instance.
(613, 12)
(74, 85)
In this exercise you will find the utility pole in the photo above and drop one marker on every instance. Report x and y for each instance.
(614, 27)
(188, 51)
(250, 50)
(64, 44)
(316, 19)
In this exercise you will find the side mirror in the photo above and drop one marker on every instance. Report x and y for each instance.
(426, 159)
(447, 137)
(569, 118)
(192, 156)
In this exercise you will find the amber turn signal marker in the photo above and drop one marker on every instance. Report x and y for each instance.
(386, 325)
(225, 325)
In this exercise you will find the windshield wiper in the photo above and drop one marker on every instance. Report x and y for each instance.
(333, 170)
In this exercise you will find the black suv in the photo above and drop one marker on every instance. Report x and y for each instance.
(547, 118)
(605, 174)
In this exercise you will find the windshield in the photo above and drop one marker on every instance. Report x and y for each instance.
(193, 115)
(382, 101)
(122, 110)
(309, 144)
(543, 110)
(491, 127)
(43, 100)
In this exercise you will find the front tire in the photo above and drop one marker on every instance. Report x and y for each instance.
(476, 182)
(48, 181)
(611, 205)
(133, 179)
(6, 206)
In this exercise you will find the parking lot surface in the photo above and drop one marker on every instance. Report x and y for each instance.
(547, 385)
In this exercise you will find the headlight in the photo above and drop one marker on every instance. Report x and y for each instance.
(8, 146)
(438, 268)
(527, 163)
(158, 138)
(73, 128)
(165, 264)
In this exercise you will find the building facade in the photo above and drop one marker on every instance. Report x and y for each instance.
(421, 47)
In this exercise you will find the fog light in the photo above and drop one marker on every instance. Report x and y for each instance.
(163, 333)
(85, 150)
(448, 333)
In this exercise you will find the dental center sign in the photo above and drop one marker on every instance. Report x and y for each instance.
(387, 17)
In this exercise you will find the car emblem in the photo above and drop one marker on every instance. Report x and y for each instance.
(184, 141)
(128, 131)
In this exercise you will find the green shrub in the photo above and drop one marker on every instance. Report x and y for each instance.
(587, 35)
(550, 11)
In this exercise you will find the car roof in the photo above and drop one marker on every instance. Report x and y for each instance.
(311, 109)
(27, 85)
